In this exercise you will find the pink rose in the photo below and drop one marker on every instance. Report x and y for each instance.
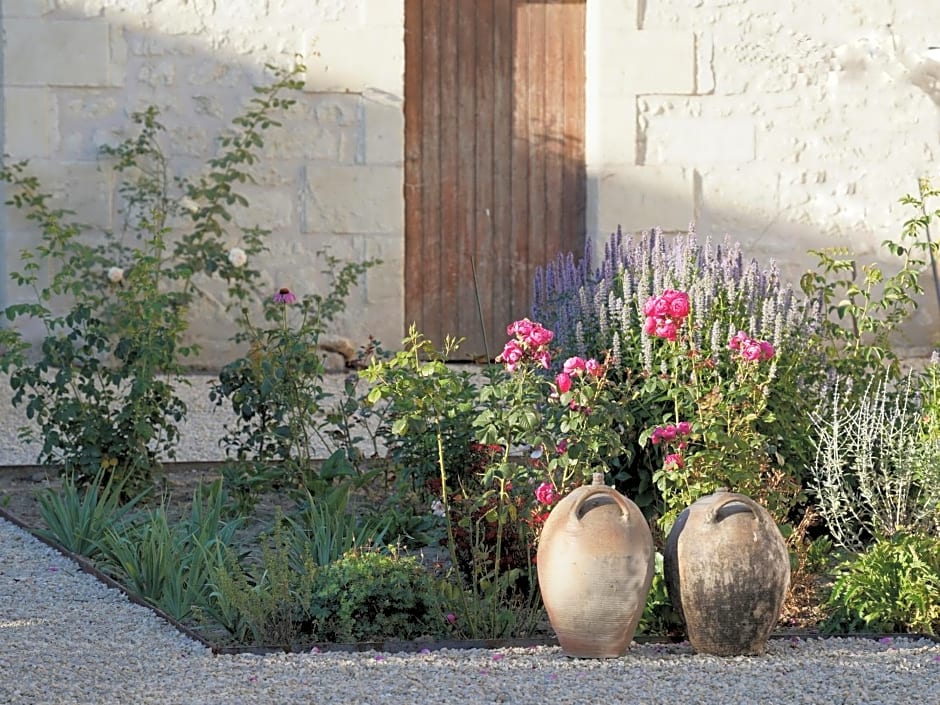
(661, 308)
(679, 304)
(562, 446)
(512, 354)
(649, 308)
(751, 351)
(649, 325)
(669, 433)
(539, 336)
(594, 368)
(737, 340)
(574, 365)
(673, 461)
(563, 382)
(545, 493)
(522, 328)
(665, 328)
(684, 428)
(544, 358)
(766, 350)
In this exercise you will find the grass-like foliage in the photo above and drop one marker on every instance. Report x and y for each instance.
(78, 518)
(170, 561)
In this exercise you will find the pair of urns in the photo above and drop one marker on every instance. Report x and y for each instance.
(726, 567)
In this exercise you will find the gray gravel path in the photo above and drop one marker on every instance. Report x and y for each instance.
(65, 638)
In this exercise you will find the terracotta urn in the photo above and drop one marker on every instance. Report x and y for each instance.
(727, 572)
(595, 566)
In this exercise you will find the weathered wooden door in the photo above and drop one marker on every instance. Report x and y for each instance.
(494, 159)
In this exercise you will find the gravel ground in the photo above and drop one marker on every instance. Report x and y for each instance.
(66, 638)
(200, 434)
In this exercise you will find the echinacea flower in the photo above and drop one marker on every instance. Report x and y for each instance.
(237, 257)
(115, 275)
(285, 296)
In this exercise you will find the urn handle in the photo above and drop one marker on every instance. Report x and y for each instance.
(731, 497)
(592, 491)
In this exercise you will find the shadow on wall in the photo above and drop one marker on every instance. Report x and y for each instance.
(769, 230)
(331, 177)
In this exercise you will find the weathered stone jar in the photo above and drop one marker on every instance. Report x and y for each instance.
(595, 566)
(727, 572)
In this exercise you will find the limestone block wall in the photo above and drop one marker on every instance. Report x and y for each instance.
(785, 124)
(74, 70)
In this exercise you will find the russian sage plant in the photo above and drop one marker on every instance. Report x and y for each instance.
(876, 467)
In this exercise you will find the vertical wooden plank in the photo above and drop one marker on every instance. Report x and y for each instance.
(504, 166)
(465, 207)
(448, 173)
(538, 148)
(414, 129)
(555, 31)
(573, 100)
(431, 145)
(521, 162)
(485, 171)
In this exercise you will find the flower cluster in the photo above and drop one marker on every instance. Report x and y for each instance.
(750, 349)
(671, 432)
(665, 313)
(575, 367)
(530, 341)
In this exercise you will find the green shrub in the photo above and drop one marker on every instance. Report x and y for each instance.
(894, 586)
(324, 530)
(266, 604)
(101, 388)
(748, 430)
(276, 392)
(370, 595)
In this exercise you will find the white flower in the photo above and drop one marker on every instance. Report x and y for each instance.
(115, 275)
(188, 204)
(237, 257)
(437, 508)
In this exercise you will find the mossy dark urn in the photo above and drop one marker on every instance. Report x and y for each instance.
(595, 567)
(727, 572)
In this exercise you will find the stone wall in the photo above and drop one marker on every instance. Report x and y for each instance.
(74, 70)
(786, 125)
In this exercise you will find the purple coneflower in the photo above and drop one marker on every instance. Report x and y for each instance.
(285, 296)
